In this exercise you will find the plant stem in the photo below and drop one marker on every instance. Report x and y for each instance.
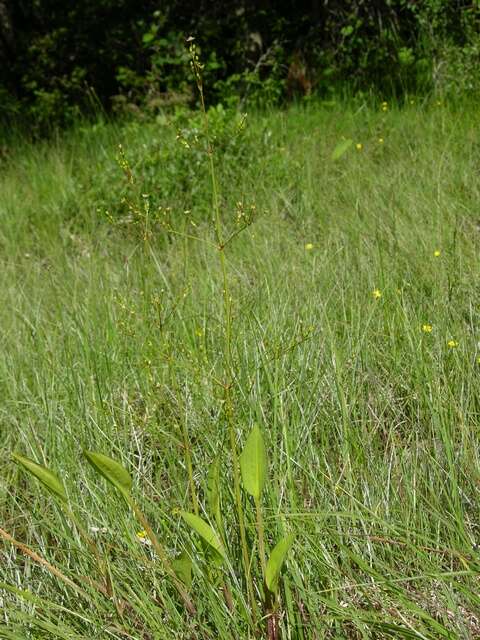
(261, 536)
(228, 364)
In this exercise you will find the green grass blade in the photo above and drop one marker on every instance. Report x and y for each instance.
(213, 491)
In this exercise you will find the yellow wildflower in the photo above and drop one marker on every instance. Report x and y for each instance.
(384, 106)
(452, 344)
(359, 146)
(142, 537)
(380, 141)
(376, 293)
(308, 246)
(437, 253)
(427, 328)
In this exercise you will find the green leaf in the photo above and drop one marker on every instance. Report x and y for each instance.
(147, 38)
(183, 568)
(253, 463)
(46, 477)
(347, 30)
(112, 471)
(275, 562)
(341, 148)
(213, 491)
(205, 531)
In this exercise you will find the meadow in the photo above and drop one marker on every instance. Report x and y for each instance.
(339, 318)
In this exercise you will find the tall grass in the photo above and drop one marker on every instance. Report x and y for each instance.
(114, 344)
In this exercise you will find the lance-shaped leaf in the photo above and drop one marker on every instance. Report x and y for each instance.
(341, 148)
(46, 477)
(275, 562)
(253, 463)
(205, 531)
(112, 471)
(183, 568)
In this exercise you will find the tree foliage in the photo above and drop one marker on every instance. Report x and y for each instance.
(59, 58)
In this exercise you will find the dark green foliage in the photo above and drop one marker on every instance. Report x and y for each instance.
(58, 59)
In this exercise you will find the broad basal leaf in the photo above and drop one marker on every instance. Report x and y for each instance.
(275, 562)
(111, 470)
(253, 463)
(183, 568)
(46, 477)
(205, 531)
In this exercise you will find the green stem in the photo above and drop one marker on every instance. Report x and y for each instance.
(228, 367)
(269, 602)
(261, 537)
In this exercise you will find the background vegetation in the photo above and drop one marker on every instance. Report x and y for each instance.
(58, 58)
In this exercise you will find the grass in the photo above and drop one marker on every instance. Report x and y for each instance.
(113, 342)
